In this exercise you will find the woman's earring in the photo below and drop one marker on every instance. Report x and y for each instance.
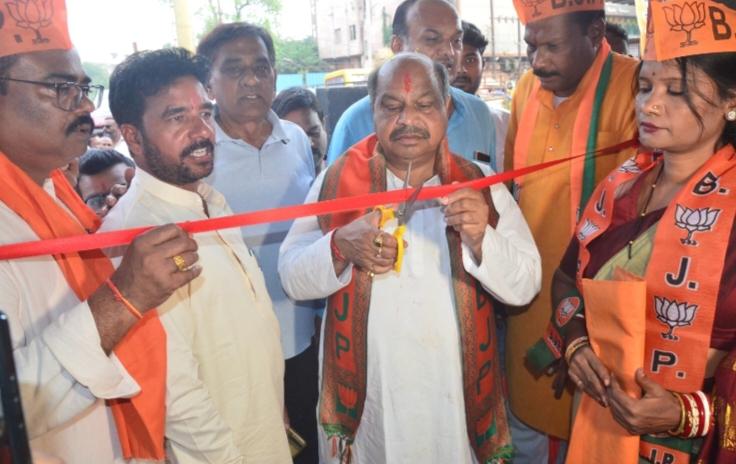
(731, 116)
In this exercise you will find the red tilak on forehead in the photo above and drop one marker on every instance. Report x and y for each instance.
(407, 83)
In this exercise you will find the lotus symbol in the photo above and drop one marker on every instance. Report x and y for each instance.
(686, 18)
(348, 397)
(673, 314)
(533, 4)
(588, 228)
(695, 220)
(629, 167)
(33, 15)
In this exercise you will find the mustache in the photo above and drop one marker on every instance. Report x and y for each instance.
(543, 74)
(197, 146)
(408, 130)
(80, 121)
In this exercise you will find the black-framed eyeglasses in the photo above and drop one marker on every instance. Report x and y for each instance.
(69, 95)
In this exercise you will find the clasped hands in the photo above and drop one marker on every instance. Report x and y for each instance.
(657, 411)
(365, 245)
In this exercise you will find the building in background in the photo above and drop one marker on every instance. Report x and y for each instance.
(357, 33)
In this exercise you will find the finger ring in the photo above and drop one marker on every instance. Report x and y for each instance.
(378, 241)
(180, 263)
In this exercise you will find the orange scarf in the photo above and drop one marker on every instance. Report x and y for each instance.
(584, 134)
(139, 420)
(683, 275)
(363, 170)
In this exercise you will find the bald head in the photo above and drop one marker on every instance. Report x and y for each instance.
(429, 27)
(435, 72)
(408, 96)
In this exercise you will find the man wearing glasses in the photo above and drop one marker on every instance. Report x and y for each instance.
(68, 312)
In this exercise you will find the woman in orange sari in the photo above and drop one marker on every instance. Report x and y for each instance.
(646, 293)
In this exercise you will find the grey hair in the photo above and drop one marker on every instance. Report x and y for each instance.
(440, 75)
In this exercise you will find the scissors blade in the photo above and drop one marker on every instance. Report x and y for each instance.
(409, 207)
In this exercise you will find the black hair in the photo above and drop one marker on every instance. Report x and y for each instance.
(474, 37)
(144, 74)
(617, 30)
(719, 68)
(6, 62)
(224, 33)
(440, 72)
(583, 19)
(95, 161)
(296, 98)
(400, 28)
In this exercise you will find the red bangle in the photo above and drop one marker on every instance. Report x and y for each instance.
(335, 250)
(122, 300)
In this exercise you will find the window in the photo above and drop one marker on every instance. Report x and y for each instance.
(353, 32)
(338, 35)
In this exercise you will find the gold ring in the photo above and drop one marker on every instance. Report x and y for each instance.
(180, 263)
(378, 241)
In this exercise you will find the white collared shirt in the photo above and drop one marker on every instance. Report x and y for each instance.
(224, 396)
(251, 179)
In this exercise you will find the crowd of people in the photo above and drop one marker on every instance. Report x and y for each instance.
(579, 313)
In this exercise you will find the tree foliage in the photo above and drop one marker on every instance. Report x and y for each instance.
(297, 56)
(99, 73)
(259, 12)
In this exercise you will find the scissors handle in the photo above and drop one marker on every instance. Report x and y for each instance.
(386, 215)
(399, 235)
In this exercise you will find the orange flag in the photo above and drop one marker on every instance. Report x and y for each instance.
(678, 28)
(536, 10)
(33, 25)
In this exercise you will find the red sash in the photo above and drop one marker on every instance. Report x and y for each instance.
(683, 275)
(139, 420)
(362, 170)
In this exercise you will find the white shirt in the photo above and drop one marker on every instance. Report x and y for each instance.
(224, 395)
(62, 369)
(414, 409)
(251, 179)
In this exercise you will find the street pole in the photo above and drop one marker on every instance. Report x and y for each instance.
(493, 41)
(184, 34)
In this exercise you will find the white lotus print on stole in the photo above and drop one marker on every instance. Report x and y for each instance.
(673, 314)
(629, 166)
(588, 229)
(695, 220)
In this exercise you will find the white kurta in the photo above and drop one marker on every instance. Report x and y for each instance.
(225, 379)
(414, 409)
(62, 370)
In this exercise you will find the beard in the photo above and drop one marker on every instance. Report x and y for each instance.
(173, 172)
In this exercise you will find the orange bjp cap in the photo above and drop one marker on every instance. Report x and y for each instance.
(677, 28)
(530, 11)
(33, 25)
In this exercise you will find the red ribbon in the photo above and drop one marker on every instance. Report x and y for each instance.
(123, 237)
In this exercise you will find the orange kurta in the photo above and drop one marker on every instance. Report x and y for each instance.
(544, 201)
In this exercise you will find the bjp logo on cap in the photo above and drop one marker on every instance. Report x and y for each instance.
(33, 15)
(686, 18)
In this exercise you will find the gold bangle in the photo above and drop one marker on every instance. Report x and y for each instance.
(574, 346)
(681, 426)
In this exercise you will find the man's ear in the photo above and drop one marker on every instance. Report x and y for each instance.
(397, 44)
(597, 31)
(134, 140)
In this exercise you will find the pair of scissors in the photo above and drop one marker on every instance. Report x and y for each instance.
(403, 215)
